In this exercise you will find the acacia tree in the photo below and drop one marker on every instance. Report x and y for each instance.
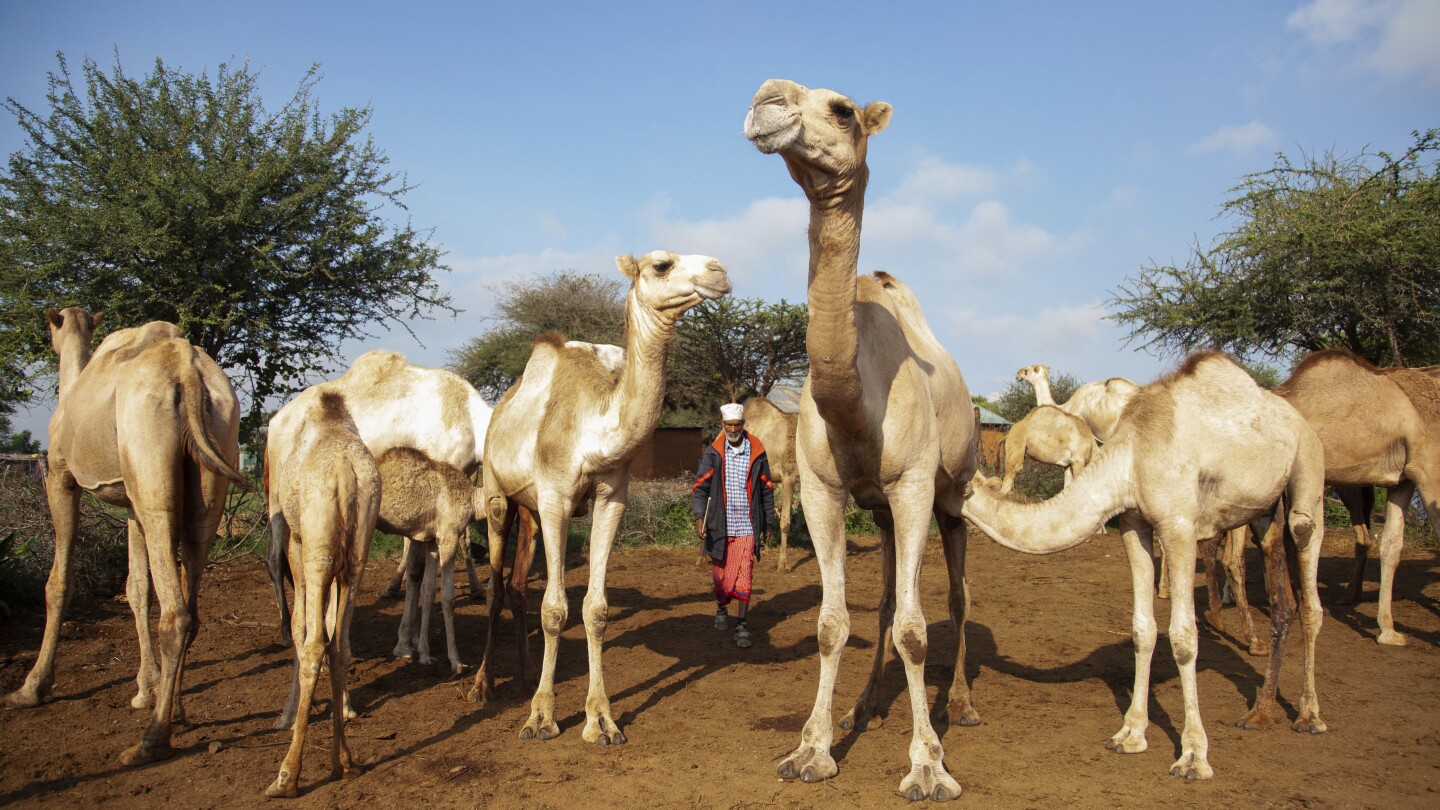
(730, 349)
(182, 198)
(1333, 252)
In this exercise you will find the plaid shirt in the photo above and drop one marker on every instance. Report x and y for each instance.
(737, 498)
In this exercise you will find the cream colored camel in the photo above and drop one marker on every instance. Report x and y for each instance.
(776, 430)
(1380, 427)
(431, 505)
(326, 486)
(1201, 451)
(393, 404)
(569, 427)
(1098, 403)
(149, 423)
(1050, 436)
(885, 417)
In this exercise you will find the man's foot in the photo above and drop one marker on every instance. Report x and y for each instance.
(722, 618)
(742, 636)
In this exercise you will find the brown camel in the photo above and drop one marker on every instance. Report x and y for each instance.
(570, 427)
(149, 423)
(776, 430)
(885, 417)
(1198, 452)
(327, 489)
(1099, 403)
(1380, 427)
(1049, 436)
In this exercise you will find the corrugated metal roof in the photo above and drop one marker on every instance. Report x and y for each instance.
(989, 417)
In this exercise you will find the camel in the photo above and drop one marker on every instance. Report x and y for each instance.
(569, 427)
(431, 505)
(1099, 403)
(1380, 427)
(1050, 436)
(149, 423)
(1198, 452)
(393, 404)
(776, 430)
(885, 417)
(326, 486)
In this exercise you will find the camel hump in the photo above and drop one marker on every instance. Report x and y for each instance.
(374, 366)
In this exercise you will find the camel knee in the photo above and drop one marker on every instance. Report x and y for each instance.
(1183, 647)
(911, 639)
(495, 511)
(833, 630)
(596, 615)
(553, 616)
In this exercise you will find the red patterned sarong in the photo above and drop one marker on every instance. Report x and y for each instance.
(732, 578)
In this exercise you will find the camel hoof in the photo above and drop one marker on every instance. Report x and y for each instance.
(809, 765)
(1258, 650)
(929, 782)
(140, 754)
(283, 787)
(1390, 638)
(1255, 721)
(23, 700)
(1215, 620)
(1311, 725)
(960, 715)
(1125, 743)
(866, 722)
(347, 773)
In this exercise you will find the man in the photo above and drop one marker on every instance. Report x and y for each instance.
(733, 502)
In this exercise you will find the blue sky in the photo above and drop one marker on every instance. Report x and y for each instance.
(1039, 153)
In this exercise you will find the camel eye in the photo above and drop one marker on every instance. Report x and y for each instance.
(843, 112)
(663, 266)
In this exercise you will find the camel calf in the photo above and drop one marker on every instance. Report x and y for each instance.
(326, 488)
(431, 504)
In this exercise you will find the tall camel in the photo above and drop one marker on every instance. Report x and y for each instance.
(328, 491)
(885, 417)
(1199, 452)
(1380, 427)
(1050, 436)
(570, 427)
(149, 423)
(393, 404)
(776, 430)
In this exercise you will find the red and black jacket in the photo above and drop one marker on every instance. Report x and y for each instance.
(707, 497)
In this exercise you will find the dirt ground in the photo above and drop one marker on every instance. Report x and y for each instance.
(1051, 668)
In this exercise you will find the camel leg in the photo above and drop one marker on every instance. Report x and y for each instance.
(137, 593)
(1392, 543)
(1305, 544)
(476, 586)
(427, 602)
(342, 761)
(1178, 540)
(393, 588)
(825, 515)
(911, 504)
(278, 564)
(1263, 712)
(175, 630)
(610, 497)
(1210, 562)
(864, 716)
(194, 554)
(447, 600)
(1358, 502)
(555, 511)
(787, 494)
(293, 553)
(497, 522)
(309, 635)
(1136, 535)
(1014, 461)
(954, 534)
(413, 564)
(1234, 560)
(519, 592)
(64, 498)
(1163, 589)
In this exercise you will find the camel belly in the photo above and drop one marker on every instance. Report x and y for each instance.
(111, 492)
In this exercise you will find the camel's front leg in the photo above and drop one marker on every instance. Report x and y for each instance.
(825, 515)
(960, 711)
(427, 603)
(610, 497)
(137, 593)
(64, 497)
(1358, 503)
(413, 566)
(911, 505)
(1311, 615)
(1233, 552)
(555, 510)
(865, 715)
(1136, 536)
(1392, 543)
(787, 495)
(447, 602)
(1178, 539)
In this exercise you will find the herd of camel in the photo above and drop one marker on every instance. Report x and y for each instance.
(150, 423)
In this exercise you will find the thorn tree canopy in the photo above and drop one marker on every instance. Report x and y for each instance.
(181, 198)
(1330, 253)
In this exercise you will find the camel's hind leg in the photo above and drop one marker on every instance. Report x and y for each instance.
(413, 564)
(308, 630)
(449, 554)
(1263, 712)
(1358, 502)
(1392, 543)
(1178, 539)
(954, 534)
(1303, 548)
(64, 498)
(518, 592)
(864, 715)
(137, 593)
(500, 512)
(175, 631)
(787, 495)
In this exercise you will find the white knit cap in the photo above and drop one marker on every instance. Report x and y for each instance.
(732, 412)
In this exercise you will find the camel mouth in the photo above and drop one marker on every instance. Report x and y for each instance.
(772, 127)
(710, 292)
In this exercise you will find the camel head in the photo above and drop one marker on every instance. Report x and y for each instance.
(670, 284)
(70, 327)
(821, 134)
(1032, 373)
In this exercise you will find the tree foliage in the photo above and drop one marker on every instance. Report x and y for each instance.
(584, 307)
(1018, 398)
(1332, 252)
(730, 349)
(182, 198)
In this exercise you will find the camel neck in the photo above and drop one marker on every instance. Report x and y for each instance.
(832, 340)
(1043, 395)
(641, 391)
(73, 360)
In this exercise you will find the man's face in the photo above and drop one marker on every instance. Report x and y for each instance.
(734, 430)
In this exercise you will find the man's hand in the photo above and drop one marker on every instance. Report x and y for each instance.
(700, 528)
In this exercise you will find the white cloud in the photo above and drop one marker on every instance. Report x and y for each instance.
(1237, 139)
(1395, 38)
(935, 180)
(764, 247)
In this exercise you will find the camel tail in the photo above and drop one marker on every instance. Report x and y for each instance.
(201, 443)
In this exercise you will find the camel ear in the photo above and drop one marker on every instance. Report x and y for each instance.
(52, 317)
(95, 320)
(627, 265)
(877, 117)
